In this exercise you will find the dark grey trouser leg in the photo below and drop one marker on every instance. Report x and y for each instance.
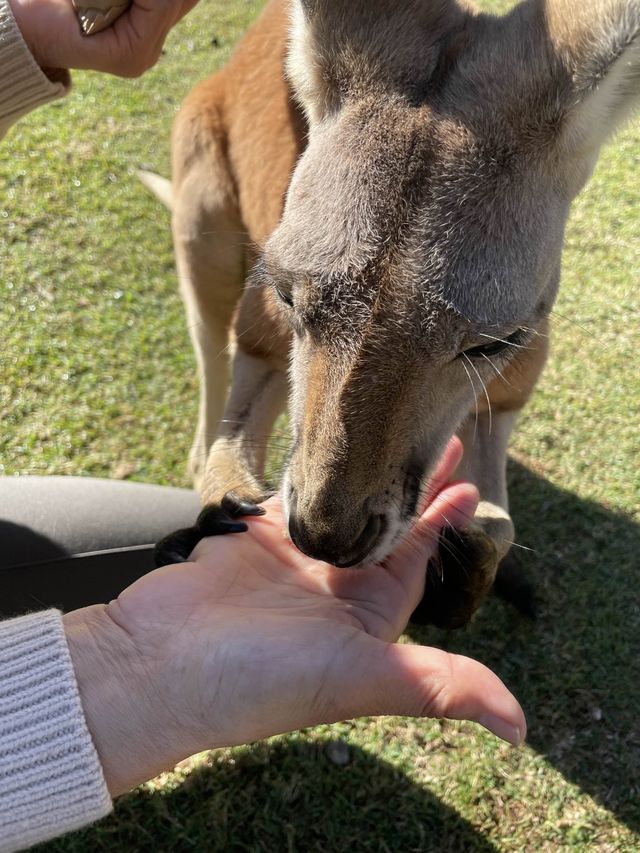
(69, 542)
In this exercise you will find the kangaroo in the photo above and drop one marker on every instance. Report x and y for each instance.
(372, 197)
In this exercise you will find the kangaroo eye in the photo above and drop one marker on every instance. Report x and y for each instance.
(283, 296)
(498, 346)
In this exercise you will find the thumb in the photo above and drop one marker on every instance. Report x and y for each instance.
(417, 681)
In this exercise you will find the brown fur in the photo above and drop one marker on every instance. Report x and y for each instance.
(410, 200)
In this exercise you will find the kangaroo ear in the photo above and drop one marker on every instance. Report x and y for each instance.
(308, 7)
(342, 46)
(597, 43)
(305, 71)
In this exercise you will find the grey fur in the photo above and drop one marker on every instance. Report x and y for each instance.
(428, 212)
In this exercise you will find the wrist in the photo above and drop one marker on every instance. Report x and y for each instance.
(122, 700)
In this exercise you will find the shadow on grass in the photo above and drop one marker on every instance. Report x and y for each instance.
(284, 796)
(576, 668)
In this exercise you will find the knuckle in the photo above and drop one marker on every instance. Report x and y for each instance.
(437, 699)
(135, 66)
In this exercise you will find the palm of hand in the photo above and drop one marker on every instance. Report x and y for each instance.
(273, 577)
(261, 571)
(263, 633)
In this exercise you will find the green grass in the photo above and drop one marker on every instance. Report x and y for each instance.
(98, 373)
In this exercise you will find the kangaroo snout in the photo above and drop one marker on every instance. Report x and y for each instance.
(343, 538)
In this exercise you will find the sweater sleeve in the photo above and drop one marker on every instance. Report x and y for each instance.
(23, 84)
(51, 781)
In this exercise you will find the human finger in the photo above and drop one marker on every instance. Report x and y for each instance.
(444, 471)
(453, 506)
(419, 681)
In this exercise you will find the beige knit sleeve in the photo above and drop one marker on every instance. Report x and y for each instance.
(51, 781)
(23, 84)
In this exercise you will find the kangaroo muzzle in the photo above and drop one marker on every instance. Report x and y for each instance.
(328, 531)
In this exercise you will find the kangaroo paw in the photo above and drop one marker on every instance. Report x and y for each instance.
(458, 579)
(235, 506)
(214, 520)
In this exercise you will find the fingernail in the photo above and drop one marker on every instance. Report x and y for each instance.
(502, 729)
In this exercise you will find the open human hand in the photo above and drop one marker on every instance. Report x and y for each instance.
(128, 48)
(252, 638)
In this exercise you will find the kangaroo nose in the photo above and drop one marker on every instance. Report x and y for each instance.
(340, 546)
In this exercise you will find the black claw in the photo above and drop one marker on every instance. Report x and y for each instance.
(213, 521)
(235, 506)
(221, 527)
(216, 521)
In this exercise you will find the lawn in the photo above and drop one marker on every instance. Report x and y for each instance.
(99, 379)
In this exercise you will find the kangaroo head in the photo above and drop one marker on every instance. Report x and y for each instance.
(420, 246)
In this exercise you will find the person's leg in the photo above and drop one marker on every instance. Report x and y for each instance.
(72, 541)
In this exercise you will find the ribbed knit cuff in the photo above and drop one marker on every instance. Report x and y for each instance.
(51, 781)
(23, 84)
